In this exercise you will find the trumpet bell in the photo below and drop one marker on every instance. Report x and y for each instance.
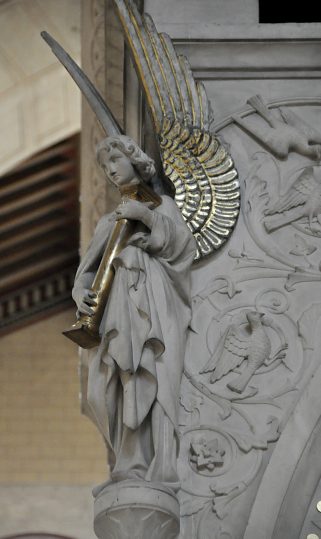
(83, 335)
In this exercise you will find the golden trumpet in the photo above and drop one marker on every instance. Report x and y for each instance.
(85, 332)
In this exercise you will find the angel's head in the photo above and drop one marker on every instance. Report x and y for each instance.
(123, 161)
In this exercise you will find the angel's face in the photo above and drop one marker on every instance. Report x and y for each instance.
(117, 166)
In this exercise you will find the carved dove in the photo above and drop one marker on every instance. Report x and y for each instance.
(302, 199)
(235, 347)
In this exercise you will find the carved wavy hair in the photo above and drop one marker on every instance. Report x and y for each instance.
(143, 164)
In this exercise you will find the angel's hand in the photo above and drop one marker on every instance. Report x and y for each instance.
(140, 239)
(88, 302)
(136, 211)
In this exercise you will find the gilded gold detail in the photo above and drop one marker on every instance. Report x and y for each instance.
(85, 332)
(201, 186)
(201, 170)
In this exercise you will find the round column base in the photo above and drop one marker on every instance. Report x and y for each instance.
(136, 510)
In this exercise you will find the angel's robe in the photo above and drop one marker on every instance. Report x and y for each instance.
(135, 374)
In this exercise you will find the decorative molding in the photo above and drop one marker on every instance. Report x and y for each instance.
(39, 235)
(249, 33)
(215, 58)
(31, 302)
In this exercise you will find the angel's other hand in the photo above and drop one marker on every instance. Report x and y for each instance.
(140, 239)
(136, 211)
(88, 302)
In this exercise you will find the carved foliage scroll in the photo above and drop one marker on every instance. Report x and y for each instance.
(256, 319)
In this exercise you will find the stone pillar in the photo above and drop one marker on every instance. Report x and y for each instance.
(252, 358)
(102, 61)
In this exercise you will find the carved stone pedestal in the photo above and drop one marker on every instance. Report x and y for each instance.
(136, 510)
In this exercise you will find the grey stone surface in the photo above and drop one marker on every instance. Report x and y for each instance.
(216, 12)
(243, 446)
(136, 510)
(271, 264)
(234, 69)
(291, 483)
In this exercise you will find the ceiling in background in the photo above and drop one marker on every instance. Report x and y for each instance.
(39, 118)
(39, 229)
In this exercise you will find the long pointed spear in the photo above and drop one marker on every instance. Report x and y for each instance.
(95, 100)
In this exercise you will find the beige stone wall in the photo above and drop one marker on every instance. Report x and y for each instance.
(43, 437)
(50, 454)
(61, 510)
(39, 102)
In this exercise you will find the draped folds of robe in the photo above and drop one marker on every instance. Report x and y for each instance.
(135, 373)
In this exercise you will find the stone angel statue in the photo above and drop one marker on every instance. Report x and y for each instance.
(134, 377)
(136, 367)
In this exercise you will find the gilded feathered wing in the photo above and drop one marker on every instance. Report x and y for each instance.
(200, 168)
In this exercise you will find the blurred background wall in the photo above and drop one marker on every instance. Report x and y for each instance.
(38, 101)
(50, 454)
(51, 197)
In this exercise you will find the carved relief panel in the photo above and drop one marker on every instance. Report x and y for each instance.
(253, 343)
(254, 334)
